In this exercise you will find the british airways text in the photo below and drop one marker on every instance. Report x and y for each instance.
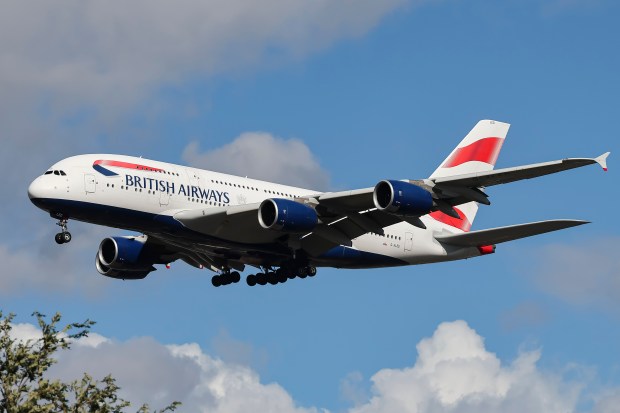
(162, 185)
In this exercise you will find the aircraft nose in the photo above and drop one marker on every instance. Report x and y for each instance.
(36, 190)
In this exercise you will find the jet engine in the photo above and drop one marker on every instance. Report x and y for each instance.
(124, 258)
(402, 198)
(287, 216)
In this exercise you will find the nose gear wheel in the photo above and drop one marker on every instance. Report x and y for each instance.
(64, 236)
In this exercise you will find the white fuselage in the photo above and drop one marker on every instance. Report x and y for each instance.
(135, 194)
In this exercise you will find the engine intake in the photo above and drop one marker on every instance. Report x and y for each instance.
(287, 216)
(123, 258)
(119, 274)
(402, 198)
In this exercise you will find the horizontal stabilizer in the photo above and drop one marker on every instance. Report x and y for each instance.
(503, 234)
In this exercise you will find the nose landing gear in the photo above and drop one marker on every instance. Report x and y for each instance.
(64, 236)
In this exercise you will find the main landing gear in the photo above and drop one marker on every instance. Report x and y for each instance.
(226, 278)
(64, 236)
(281, 275)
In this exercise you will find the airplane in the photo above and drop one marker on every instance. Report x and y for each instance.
(228, 223)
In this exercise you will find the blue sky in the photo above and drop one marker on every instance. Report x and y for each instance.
(373, 92)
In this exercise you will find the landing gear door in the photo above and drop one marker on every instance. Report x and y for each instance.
(89, 183)
(408, 241)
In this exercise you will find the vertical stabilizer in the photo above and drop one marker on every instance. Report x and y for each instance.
(477, 152)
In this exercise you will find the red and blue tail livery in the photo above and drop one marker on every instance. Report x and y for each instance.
(276, 233)
(485, 150)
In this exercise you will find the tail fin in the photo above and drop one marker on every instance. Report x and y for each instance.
(467, 213)
(477, 152)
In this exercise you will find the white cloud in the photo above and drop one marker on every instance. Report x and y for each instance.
(43, 265)
(352, 389)
(607, 402)
(260, 155)
(587, 274)
(454, 373)
(233, 351)
(109, 55)
(25, 332)
(148, 371)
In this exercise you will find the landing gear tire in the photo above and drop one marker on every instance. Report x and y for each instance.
(251, 280)
(235, 277)
(281, 275)
(311, 270)
(261, 278)
(64, 236)
(226, 278)
(272, 278)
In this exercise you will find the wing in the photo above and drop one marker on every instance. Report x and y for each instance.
(346, 215)
(467, 187)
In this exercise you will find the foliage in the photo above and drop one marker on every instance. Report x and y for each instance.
(23, 363)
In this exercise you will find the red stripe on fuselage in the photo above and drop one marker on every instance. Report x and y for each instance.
(484, 150)
(461, 223)
(127, 165)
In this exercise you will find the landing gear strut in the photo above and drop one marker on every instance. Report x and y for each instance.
(64, 236)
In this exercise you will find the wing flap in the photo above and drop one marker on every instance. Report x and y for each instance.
(342, 231)
(509, 233)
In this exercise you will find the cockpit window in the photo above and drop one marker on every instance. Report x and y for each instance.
(55, 172)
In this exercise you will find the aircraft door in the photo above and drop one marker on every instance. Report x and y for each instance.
(164, 198)
(408, 241)
(90, 184)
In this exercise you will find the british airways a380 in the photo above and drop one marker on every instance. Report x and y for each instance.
(230, 224)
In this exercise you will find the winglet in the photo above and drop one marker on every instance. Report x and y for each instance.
(602, 160)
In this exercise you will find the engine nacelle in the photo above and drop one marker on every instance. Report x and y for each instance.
(287, 216)
(119, 274)
(124, 258)
(402, 198)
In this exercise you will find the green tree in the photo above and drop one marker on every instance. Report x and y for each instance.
(24, 387)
